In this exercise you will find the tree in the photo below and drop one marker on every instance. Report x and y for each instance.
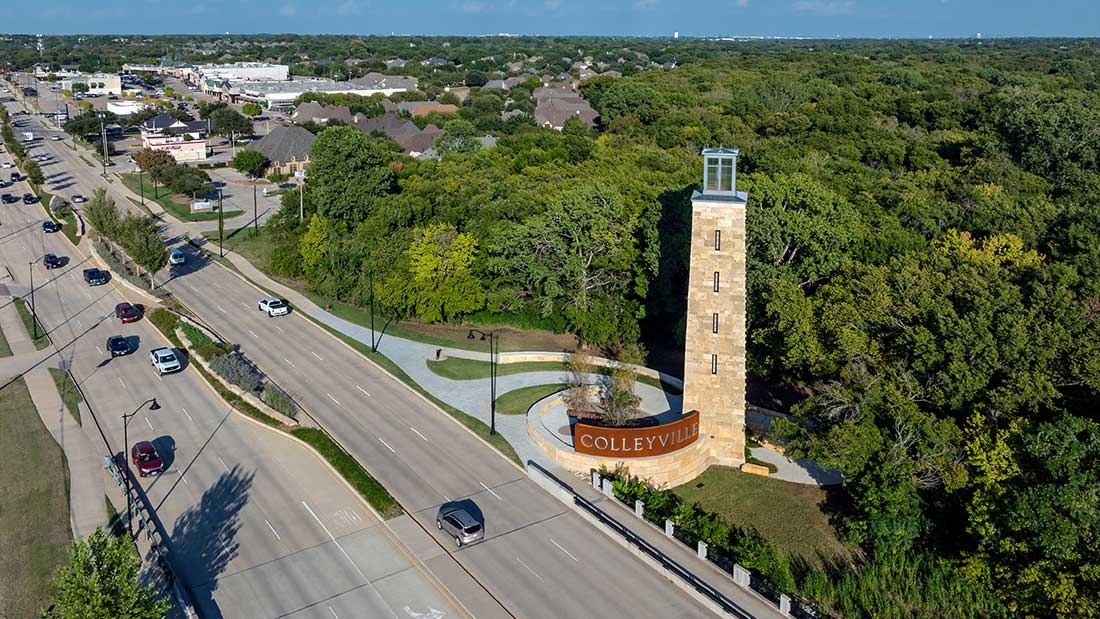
(440, 283)
(149, 159)
(475, 79)
(102, 213)
(102, 581)
(206, 110)
(79, 87)
(34, 172)
(228, 122)
(314, 242)
(349, 173)
(252, 109)
(459, 137)
(249, 162)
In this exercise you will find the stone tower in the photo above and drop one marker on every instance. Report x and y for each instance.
(714, 347)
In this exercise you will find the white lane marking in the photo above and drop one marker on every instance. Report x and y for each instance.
(227, 551)
(289, 362)
(491, 491)
(332, 398)
(87, 294)
(121, 383)
(330, 536)
(279, 328)
(220, 308)
(253, 333)
(98, 349)
(217, 285)
(333, 612)
(183, 478)
(149, 423)
(563, 550)
(227, 468)
(160, 377)
(529, 569)
(193, 289)
(363, 390)
(273, 530)
(418, 433)
(387, 445)
(78, 324)
(72, 277)
(446, 498)
(316, 355)
(188, 415)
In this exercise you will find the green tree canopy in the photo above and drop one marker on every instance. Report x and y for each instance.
(348, 172)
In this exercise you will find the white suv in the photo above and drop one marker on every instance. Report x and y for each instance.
(273, 306)
(165, 360)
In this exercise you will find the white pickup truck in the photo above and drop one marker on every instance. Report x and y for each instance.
(165, 360)
(28, 136)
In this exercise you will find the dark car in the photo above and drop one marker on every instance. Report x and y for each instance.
(119, 346)
(51, 226)
(10, 199)
(5, 184)
(29, 198)
(127, 313)
(96, 277)
(51, 261)
(15, 177)
(146, 459)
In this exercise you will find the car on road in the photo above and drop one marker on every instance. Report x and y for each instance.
(127, 313)
(146, 459)
(55, 138)
(274, 306)
(165, 360)
(15, 177)
(43, 158)
(5, 165)
(29, 198)
(9, 199)
(176, 257)
(96, 277)
(78, 199)
(459, 524)
(51, 261)
(119, 346)
(5, 184)
(51, 226)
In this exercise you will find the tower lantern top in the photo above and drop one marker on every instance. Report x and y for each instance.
(720, 171)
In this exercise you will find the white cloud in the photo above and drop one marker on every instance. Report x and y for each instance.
(645, 5)
(824, 7)
(288, 10)
(552, 5)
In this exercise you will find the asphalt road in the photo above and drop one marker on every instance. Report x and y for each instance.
(259, 527)
(539, 559)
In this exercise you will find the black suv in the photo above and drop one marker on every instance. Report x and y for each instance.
(51, 261)
(51, 226)
(95, 277)
(9, 199)
(29, 198)
(118, 346)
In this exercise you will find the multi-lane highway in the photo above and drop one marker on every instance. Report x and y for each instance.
(259, 526)
(539, 559)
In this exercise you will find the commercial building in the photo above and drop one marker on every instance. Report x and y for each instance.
(185, 141)
(237, 72)
(97, 83)
(126, 108)
(281, 95)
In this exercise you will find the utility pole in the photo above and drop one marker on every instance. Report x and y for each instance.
(103, 136)
(221, 225)
(255, 210)
(302, 200)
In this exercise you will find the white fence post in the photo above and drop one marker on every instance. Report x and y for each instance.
(701, 549)
(639, 508)
(669, 528)
(608, 489)
(596, 479)
(785, 605)
(741, 576)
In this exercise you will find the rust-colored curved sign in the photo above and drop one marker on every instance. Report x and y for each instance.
(636, 442)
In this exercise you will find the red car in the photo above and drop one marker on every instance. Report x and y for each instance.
(127, 313)
(146, 459)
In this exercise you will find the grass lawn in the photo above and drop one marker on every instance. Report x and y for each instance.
(457, 368)
(5, 350)
(519, 401)
(90, 164)
(34, 526)
(66, 388)
(181, 211)
(256, 248)
(25, 316)
(788, 515)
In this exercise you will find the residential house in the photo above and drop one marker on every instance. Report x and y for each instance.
(286, 149)
(312, 111)
(553, 106)
(435, 61)
(423, 108)
(396, 63)
(185, 141)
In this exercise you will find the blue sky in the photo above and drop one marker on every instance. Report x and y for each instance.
(819, 18)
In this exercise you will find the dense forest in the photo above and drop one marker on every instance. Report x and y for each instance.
(924, 268)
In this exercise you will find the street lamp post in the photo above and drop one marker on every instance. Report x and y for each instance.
(255, 210)
(141, 179)
(221, 225)
(152, 402)
(492, 376)
(34, 313)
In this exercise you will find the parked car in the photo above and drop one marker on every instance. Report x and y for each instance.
(55, 138)
(273, 306)
(176, 257)
(119, 346)
(29, 198)
(51, 261)
(146, 459)
(50, 226)
(127, 313)
(9, 199)
(165, 360)
(6, 165)
(96, 277)
(4, 184)
(15, 176)
(79, 199)
(459, 524)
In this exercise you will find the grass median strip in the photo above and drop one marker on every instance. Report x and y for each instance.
(5, 349)
(519, 401)
(34, 526)
(458, 368)
(29, 321)
(66, 388)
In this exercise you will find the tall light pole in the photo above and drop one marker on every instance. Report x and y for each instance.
(153, 406)
(255, 209)
(221, 225)
(34, 314)
(492, 376)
